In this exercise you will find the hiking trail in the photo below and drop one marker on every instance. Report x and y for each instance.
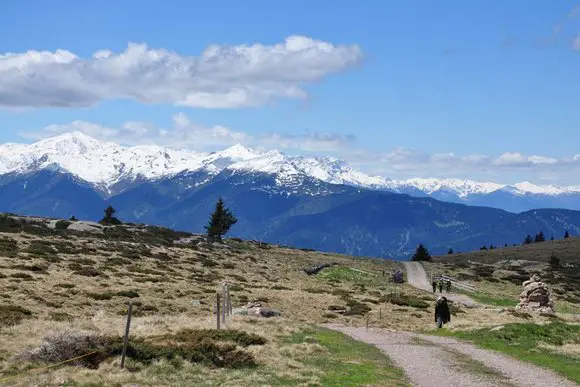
(417, 277)
(430, 361)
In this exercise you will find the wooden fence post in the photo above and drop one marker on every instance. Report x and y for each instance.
(126, 340)
(217, 310)
(229, 300)
(225, 304)
(380, 314)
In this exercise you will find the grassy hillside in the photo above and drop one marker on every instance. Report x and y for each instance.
(66, 292)
(498, 274)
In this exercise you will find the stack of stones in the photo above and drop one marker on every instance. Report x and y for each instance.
(536, 296)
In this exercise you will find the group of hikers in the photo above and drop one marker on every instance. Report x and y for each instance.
(439, 284)
(442, 313)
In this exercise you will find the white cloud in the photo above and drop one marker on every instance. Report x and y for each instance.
(186, 134)
(221, 77)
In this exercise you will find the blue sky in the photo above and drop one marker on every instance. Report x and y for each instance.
(472, 89)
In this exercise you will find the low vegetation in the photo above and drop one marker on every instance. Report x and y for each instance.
(555, 345)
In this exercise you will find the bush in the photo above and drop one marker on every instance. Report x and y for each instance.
(87, 271)
(404, 300)
(241, 338)
(62, 224)
(100, 296)
(206, 262)
(22, 276)
(127, 293)
(61, 316)
(71, 344)
(12, 315)
(356, 308)
(8, 247)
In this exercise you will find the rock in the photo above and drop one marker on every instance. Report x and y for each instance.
(84, 226)
(265, 312)
(536, 296)
(317, 269)
(498, 328)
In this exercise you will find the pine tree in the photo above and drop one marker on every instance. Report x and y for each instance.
(421, 254)
(73, 219)
(450, 251)
(483, 248)
(110, 219)
(491, 247)
(552, 238)
(220, 222)
(528, 240)
(566, 235)
(540, 237)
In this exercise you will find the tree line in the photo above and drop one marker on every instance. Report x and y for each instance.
(422, 254)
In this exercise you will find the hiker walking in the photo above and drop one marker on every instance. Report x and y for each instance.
(448, 286)
(434, 283)
(442, 314)
(440, 286)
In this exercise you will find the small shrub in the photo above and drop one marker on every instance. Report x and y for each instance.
(71, 344)
(61, 316)
(280, 287)
(356, 308)
(11, 315)
(8, 247)
(241, 338)
(100, 296)
(62, 224)
(127, 293)
(32, 268)
(206, 262)
(228, 265)
(404, 300)
(236, 288)
(65, 286)
(22, 276)
(330, 315)
(87, 271)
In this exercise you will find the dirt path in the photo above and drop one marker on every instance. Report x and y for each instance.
(430, 361)
(417, 277)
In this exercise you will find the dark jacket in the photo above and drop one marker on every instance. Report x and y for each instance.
(442, 310)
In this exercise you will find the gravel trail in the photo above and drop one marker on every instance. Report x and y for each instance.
(429, 361)
(417, 277)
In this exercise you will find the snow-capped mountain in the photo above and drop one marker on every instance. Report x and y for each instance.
(105, 164)
(314, 202)
(112, 168)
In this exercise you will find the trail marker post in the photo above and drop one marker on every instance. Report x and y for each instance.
(127, 329)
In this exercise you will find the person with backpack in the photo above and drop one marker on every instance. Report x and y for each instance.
(440, 286)
(448, 283)
(434, 283)
(442, 313)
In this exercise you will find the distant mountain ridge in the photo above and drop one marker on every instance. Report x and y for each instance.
(307, 202)
(112, 168)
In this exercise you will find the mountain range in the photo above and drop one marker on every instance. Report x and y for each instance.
(314, 202)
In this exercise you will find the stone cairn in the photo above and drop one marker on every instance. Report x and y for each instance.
(536, 296)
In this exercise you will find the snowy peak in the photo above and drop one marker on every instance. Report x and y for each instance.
(461, 188)
(105, 164)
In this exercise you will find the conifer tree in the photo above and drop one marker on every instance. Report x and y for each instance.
(540, 237)
(566, 235)
(110, 219)
(450, 251)
(421, 254)
(528, 240)
(220, 222)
